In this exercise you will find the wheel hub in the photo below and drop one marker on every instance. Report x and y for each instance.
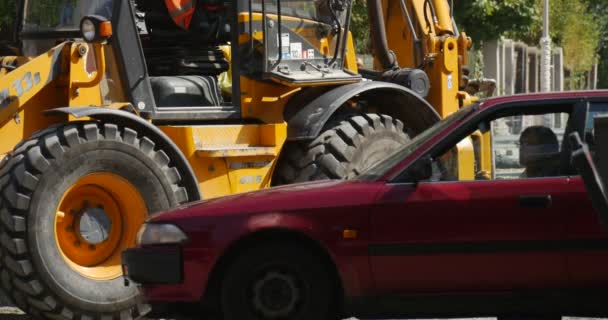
(94, 225)
(98, 218)
(276, 295)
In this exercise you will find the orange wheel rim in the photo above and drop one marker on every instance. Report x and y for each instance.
(97, 218)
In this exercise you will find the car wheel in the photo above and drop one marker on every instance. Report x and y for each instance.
(275, 281)
(349, 145)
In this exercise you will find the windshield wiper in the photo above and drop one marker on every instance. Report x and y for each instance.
(322, 69)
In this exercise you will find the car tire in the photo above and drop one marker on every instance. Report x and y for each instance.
(54, 266)
(275, 281)
(349, 145)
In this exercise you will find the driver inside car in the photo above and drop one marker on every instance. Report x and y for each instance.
(539, 152)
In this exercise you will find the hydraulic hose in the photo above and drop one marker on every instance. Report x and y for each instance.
(386, 57)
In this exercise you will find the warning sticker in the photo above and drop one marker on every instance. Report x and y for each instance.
(308, 54)
(285, 49)
(311, 53)
(296, 50)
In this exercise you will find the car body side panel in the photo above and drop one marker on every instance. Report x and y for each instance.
(214, 230)
(468, 236)
(587, 264)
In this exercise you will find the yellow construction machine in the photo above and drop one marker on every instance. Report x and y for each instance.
(110, 112)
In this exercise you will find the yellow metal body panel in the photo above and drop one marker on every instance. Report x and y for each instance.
(442, 52)
(350, 60)
(487, 165)
(466, 160)
(483, 153)
(84, 74)
(443, 24)
(264, 100)
(230, 158)
(443, 74)
(25, 93)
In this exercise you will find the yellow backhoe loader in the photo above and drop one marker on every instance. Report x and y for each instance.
(109, 112)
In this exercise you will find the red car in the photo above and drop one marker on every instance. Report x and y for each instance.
(416, 235)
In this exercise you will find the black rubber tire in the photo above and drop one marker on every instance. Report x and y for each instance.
(307, 268)
(347, 146)
(32, 182)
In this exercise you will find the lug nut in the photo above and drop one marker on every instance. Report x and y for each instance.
(92, 247)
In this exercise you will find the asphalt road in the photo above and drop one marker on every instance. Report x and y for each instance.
(9, 312)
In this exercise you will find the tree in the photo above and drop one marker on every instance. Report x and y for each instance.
(599, 9)
(7, 16)
(490, 19)
(574, 29)
(360, 26)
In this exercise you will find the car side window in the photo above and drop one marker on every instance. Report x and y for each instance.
(520, 147)
(595, 110)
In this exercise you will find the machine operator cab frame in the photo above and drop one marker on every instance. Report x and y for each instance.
(291, 43)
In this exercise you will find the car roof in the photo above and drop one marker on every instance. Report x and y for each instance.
(529, 97)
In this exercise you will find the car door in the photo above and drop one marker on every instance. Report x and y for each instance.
(456, 235)
(587, 259)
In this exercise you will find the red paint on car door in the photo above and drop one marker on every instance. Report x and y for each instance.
(588, 257)
(469, 236)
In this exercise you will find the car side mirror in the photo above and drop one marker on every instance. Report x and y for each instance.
(422, 169)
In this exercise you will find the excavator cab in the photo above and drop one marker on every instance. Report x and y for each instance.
(171, 74)
(303, 42)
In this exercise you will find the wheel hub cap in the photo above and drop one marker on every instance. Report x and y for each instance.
(94, 225)
(276, 295)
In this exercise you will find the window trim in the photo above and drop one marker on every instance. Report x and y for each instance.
(491, 113)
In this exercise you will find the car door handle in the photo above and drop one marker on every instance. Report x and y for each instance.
(535, 201)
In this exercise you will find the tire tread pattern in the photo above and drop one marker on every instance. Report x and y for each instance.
(18, 178)
(329, 155)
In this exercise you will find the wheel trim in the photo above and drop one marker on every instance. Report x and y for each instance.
(264, 299)
(123, 206)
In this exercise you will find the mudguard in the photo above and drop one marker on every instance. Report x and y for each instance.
(132, 121)
(307, 122)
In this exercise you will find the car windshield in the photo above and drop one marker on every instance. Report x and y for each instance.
(61, 15)
(381, 168)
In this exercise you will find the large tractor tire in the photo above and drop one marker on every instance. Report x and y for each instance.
(349, 145)
(72, 198)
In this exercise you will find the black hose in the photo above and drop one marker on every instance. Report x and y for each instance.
(338, 31)
(371, 74)
(383, 53)
(426, 16)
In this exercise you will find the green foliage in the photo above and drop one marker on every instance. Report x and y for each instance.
(574, 28)
(580, 27)
(491, 19)
(599, 9)
(579, 38)
(360, 26)
(7, 16)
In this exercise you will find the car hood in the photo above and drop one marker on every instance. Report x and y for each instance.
(310, 195)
